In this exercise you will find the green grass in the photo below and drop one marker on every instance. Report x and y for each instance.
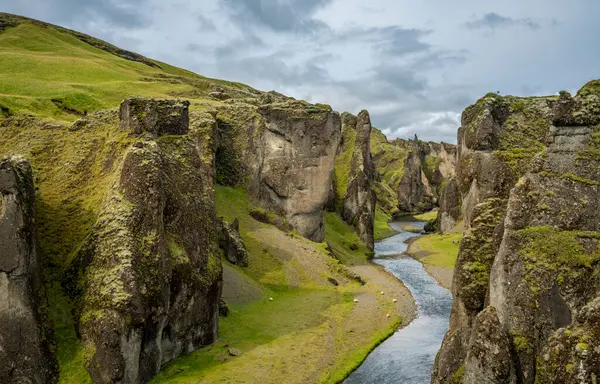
(70, 350)
(284, 339)
(342, 238)
(382, 228)
(41, 64)
(57, 77)
(426, 216)
(248, 327)
(442, 249)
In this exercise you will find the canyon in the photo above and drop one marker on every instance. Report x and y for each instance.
(160, 226)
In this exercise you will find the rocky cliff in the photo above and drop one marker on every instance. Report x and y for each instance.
(26, 337)
(427, 169)
(353, 193)
(529, 183)
(149, 275)
(283, 150)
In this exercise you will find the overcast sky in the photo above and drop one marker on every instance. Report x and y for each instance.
(415, 65)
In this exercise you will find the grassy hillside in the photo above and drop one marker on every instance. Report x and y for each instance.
(312, 331)
(48, 71)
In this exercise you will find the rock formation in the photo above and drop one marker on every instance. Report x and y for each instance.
(232, 244)
(533, 245)
(414, 190)
(355, 173)
(283, 152)
(449, 212)
(295, 168)
(26, 337)
(150, 273)
(418, 182)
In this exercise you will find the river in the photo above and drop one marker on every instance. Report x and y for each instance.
(407, 356)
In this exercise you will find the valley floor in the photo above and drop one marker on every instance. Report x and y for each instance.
(312, 331)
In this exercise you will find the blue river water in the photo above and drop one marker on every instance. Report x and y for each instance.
(407, 357)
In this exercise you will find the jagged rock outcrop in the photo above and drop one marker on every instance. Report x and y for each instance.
(536, 264)
(428, 167)
(150, 273)
(357, 205)
(232, 244)
(26, 336)
(414, 191)
(449, 212)
(496, 143)
(283, 152)
(154, 117)
(294, 160)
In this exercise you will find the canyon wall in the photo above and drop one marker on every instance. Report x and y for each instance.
(283, 150)
(26, 336)
(525, 280)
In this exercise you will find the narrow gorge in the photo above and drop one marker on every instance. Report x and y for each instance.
(159, 226)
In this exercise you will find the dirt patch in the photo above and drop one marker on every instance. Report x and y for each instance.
(381, 280)
(442, 275)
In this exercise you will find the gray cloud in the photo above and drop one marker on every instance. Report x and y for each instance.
(494, 20)
(278, 15)
(413, 69)
(121, 13)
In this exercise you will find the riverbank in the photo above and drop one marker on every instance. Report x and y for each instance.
(438, 254)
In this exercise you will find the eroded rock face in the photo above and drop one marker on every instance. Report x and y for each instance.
(358, 203)
(544, 251)
(232, 244)
(489, 356)
(449, 212)
(427, 168)
(413, 196)
(151, 270)
(26, 337)
(294, 156)
(155, 117)
(496, 143)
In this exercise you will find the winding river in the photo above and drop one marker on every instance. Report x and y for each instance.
(407, 356)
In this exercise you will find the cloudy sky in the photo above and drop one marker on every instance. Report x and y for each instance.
(415, 65)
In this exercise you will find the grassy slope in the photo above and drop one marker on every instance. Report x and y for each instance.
(42, 64)
(303, 334)
(74, 170)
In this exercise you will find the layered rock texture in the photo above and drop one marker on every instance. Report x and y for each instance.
(529, 182)
(284, 151)
(353, 193)
(26, 337)
(426, 170)
(149, 276)
(411, 174)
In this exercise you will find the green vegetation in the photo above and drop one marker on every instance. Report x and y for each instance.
(520, 342)
(457, 377)
(53, 78)
(430, 164)
(344, 240)
(382, 228)
(441, 250)
(343, 161)
(46, 64)
(389, 161)
(307, 328)
(426, 216)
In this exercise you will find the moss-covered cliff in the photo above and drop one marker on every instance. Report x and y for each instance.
(528, 178)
